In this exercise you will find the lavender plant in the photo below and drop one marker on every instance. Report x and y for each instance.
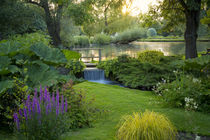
(42, 117)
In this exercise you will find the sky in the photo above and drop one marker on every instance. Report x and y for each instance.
(139, 6)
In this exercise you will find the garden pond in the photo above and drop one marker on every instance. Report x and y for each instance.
(168, 48)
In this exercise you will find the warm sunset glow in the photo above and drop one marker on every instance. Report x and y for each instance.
(138, 6)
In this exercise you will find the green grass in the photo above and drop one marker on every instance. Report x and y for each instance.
(119, 101)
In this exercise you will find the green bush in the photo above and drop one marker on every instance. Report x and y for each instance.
(81, 41)
(185, 92)
(152, 57)
(151, 32)
(135, 74)
(102, 39)
(81, 112)
(130, 35)
(75, 67)
(146, 126)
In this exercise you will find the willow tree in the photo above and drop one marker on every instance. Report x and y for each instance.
(190, 10)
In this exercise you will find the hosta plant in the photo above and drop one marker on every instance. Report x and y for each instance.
(42, 117)
(146, 126)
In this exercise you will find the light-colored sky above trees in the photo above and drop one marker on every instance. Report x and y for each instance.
(138, 6)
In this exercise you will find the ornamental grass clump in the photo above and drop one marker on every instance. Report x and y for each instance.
(146, 126)
(42, 117)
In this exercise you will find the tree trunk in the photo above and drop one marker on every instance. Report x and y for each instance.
(53, 27)
(192, 24)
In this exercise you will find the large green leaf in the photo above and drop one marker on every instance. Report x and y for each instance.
(49, 55)
(4, 85)
(40, 74)
(9, 48)
(4, 64)
(71, 55)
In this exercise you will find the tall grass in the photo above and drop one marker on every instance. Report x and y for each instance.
(81, 41)
(146, 126)
(130, 35)
(101, 39)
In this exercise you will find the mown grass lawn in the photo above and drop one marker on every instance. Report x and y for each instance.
(119, 101)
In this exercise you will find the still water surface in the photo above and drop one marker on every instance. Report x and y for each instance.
(168, 48)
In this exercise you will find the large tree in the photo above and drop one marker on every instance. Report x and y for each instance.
(53, 13)
(190, 9)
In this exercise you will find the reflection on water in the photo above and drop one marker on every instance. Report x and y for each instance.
(168, 48)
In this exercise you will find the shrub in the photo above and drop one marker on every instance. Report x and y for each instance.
(42, 117)
(81, 41)
(185, 92)
(135, 74)
(102, 39)
(75, 67)
(146, 126)
(82, 112)
(151, 32)
(152, 57)
(130, 35)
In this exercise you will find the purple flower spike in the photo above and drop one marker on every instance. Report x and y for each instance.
(40, 94)
(53, 100)
(20, 112)
(35, 92)
(57, 103)
(28, 105)
(38, 107)
(25, 114)
(16, 120)
(66, 105)
(45, 93)
(34, 105)
(62, 104)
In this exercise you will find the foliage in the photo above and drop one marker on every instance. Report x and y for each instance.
(185, 92)
(11, 99)
(71, 55)
(206, 20)
(101, 39)
(129, 35)
(75, 67)
(146, 126)
(30, 62)
(82, 112)
(68, 31)
(152, 57)
(151, 32)
(135, 74)
(81, 41)
(26, 40)
(18, 18)
(42, 117)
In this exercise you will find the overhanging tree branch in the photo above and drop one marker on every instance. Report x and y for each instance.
(33, 2)
(184, 5)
